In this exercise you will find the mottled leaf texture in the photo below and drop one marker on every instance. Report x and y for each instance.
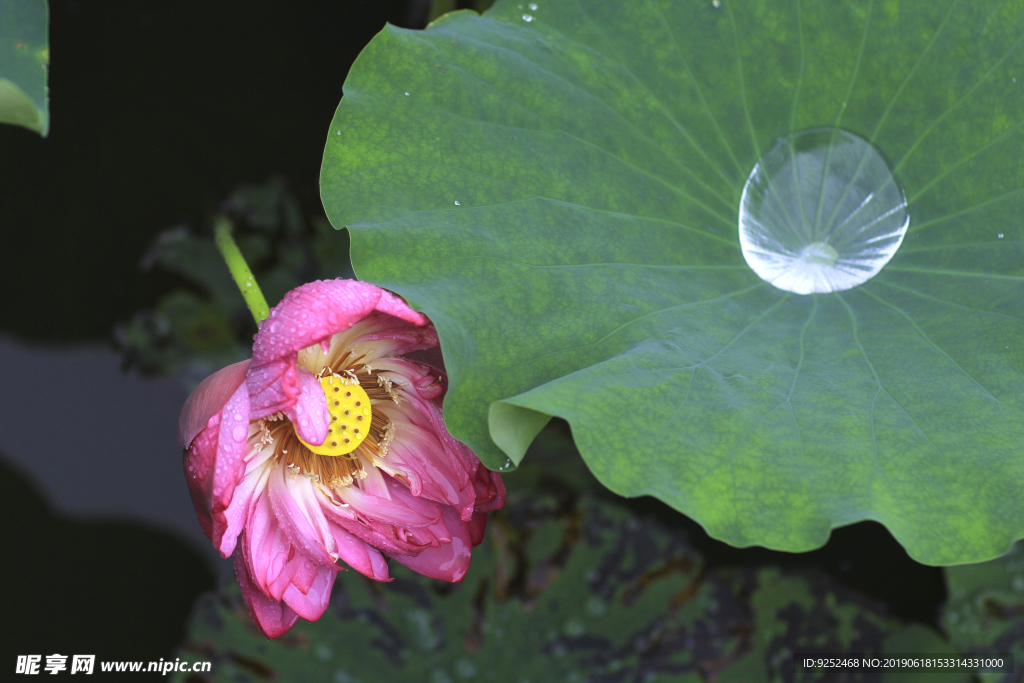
(556, 184)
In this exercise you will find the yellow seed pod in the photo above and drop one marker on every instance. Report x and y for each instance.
(350, 411)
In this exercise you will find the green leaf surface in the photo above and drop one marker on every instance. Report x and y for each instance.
(558, 189)
(24, 60)
(563, 589)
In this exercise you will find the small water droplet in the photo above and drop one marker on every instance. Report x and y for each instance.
(1000, 235)
(406, 94)
(821, 212)
(533, 6)
(339, 133)
(527, 18)
(716, 3)
(457, 203)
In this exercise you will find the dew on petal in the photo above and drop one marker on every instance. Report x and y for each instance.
(821, 212)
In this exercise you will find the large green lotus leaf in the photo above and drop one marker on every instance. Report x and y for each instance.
(557, 185)
(24, 59)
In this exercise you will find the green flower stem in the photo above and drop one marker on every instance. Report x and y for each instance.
(240, 270)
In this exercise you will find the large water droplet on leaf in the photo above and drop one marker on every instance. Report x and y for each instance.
(821, 213)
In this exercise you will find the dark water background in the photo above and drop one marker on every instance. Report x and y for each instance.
(158, 111)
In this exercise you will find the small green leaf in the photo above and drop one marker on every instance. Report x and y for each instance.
(24, 60)
(556, 184)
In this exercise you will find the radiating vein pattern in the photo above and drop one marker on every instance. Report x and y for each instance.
(565, 197)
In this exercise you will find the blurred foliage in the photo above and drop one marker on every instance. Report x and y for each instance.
(568, 586)
(24, 63)
(204, 325)
(985, 612)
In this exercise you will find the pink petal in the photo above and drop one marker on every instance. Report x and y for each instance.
(273, 386)
(272, 617)
(380, 336)
(237, 513)
(477, 526)
(297, 510)
(490, 490)
(207, 400)
(419, 457)
(267, 552)
(399, 510)
(214, 463)
(309, 413)
(315, 311)
(312, 604)
(450, 561)
(463, 461)
(427, 382)
(392, 304)
(365, 559)
(308, 315)
(385, 537)
(305, 574)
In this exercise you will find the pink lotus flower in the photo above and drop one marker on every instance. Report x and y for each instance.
(329, 445)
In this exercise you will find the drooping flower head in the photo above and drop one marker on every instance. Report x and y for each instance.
(329, 445)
